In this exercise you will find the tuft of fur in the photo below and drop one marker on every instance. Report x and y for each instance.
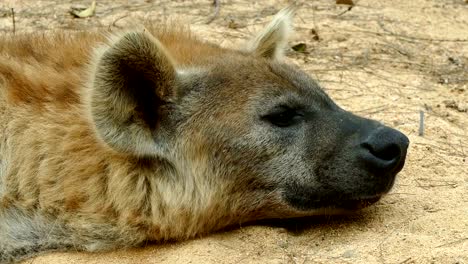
(271, 42)
(23, 235)
(28, 234)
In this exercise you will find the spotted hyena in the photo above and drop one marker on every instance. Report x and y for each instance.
(153, 134)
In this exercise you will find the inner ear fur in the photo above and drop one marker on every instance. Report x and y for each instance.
(271, 42)
(133, 79)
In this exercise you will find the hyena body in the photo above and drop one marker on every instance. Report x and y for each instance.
(154, 135)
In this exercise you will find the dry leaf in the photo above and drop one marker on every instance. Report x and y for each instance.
(345, 2)
(84, 13)
(301, 47)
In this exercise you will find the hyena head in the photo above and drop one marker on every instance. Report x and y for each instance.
(243, 124)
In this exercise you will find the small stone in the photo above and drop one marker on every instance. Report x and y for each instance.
(349, 253)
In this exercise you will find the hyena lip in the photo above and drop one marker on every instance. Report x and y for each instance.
(353, 203)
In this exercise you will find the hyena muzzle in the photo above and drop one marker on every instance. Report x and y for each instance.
(153, 135)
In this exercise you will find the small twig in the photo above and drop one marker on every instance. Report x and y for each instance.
(114, 24)
(346, 11)
(388, 31)
(406, 260)
(13, 19)
(430, 183)
(462, 149)
(216, 12)
(408, 38)
(421, 123)
(453, 242)
(397, 47)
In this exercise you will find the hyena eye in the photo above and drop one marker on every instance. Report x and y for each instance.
(284, 116)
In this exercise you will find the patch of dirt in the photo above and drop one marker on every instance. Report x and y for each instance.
(386, 60)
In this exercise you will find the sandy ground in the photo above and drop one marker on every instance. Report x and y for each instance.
(386, 60)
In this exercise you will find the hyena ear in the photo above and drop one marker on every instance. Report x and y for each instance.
(271, 42)
(133, 80)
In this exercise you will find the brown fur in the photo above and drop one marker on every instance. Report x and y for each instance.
(58, 166)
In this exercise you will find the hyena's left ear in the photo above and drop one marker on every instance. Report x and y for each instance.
(133, 80)
(271, 42)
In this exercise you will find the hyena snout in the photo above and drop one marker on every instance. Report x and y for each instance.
(384, 150)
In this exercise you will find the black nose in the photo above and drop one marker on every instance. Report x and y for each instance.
(385, 149)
